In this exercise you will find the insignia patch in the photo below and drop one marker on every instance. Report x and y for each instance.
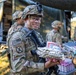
(19, 50)
(16, 42)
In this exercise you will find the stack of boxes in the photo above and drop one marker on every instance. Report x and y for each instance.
(66, 67)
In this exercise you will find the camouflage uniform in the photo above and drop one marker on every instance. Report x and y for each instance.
(15, 26)
(54, 35)
(20, 46)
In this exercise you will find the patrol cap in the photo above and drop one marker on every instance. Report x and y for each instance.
(17, 15)
(33, 10)
(56, 24)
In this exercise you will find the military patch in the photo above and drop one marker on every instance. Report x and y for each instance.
(19, 50)
(16, 42)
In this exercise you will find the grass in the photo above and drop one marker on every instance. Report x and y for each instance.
(4, 65)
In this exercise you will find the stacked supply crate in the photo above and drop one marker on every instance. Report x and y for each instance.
(66, 67)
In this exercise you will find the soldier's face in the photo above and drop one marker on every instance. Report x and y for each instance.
(34, 22)
(20, 21)
(60, 25)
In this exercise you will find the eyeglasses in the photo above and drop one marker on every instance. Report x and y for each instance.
(36, 18)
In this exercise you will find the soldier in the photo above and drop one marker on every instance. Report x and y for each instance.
(23, 60)
(55, 36)
(19, 23)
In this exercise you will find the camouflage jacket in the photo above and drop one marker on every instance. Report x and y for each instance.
(54, 36)
(22, 60)
(13, 29)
